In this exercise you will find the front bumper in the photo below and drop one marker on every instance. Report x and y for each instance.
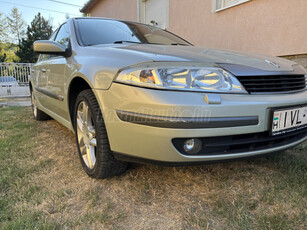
(155, 143)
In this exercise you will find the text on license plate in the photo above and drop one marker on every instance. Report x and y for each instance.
(287, 120)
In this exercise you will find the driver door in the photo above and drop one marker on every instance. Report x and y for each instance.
(56, 68)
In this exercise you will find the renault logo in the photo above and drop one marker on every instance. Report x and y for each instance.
(273, 63)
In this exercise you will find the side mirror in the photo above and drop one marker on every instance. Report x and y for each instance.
(50, 47)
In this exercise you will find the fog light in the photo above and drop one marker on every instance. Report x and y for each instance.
(192, 146)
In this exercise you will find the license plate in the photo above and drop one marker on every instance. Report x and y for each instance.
(289, 120)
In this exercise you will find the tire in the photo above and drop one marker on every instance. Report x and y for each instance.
(37, 113)
(92, 140)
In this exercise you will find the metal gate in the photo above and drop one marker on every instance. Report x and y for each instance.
(14, 79)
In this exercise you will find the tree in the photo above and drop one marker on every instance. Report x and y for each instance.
(3, 29)
(2, 57)
(16, 25)
(39, 29)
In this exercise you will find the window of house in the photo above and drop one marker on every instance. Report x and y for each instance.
(219, 5)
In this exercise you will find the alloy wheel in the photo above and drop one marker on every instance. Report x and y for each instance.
(86, 135)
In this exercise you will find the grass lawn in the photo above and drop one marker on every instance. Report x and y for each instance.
(42, 186)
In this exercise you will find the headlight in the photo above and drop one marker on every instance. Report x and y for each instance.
(209, 79)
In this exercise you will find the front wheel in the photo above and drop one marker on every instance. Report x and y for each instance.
(93, 145)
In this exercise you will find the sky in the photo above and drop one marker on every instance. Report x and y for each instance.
(47, 8)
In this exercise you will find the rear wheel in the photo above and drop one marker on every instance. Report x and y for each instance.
(93, 145)
(37, 113)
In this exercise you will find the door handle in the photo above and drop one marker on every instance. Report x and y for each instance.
(43, 70)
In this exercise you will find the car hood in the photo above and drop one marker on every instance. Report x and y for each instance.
(226, 59)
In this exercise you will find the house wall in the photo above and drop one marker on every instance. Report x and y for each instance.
(119, 9)
(275, 27)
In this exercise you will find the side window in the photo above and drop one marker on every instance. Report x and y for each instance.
(52, 37)
(44, 57)
(63, 36)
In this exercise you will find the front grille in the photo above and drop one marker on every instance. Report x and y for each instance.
(242, 143)
(273, 83)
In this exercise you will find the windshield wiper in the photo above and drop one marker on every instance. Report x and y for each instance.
(121, 42)
(178, 44)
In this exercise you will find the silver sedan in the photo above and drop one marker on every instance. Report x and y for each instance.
(133, 92)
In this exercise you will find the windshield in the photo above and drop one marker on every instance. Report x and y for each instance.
(102, 31)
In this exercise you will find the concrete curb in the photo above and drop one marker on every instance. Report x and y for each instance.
(15, 101)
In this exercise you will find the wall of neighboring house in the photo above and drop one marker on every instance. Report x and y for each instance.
(119, 9)
(275, 27)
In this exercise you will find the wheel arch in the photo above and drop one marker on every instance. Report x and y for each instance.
(77, 85)
(30, 86)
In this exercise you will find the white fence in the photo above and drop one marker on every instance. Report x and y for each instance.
(14, 79)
